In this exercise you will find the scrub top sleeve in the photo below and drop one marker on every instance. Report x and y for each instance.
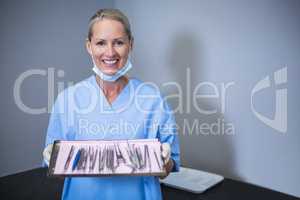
(168, 133)
(54, 127)
(57, 122)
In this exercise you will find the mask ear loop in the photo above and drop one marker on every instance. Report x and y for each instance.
(93, 60)
(128, 61)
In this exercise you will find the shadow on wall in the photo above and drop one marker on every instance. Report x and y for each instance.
(204, 142)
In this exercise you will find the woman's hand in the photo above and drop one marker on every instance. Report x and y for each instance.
(168, 162)
(168, 166)
(47, 153)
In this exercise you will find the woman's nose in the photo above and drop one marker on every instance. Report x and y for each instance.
(110, 50)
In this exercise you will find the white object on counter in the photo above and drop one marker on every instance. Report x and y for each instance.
(192, 180)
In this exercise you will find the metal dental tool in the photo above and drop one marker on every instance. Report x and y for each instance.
(156, 158)
(109, 159)
(83, 160)
(139, 157)
(147, 157)
(69, 158)
(132, 159)
(92, 158)
(101, 158)
(119, 155)
(76, 159)
(107, 162)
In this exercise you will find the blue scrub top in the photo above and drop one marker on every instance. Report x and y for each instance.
(81, 112)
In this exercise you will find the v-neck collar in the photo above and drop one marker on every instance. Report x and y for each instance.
(120, 101)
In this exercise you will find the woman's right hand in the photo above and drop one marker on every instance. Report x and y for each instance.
(47, 153)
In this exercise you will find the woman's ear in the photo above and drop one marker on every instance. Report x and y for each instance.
(88, 46)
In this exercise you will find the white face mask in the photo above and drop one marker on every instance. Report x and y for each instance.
(112, 78)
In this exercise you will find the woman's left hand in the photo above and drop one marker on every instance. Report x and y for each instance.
(168, 166)
(168, 162)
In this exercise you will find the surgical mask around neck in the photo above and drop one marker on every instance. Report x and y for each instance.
(112, 78)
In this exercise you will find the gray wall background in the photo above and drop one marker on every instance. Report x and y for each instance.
(38, 35)
(219, 41)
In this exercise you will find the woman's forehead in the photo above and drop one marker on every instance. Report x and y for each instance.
(108, 29)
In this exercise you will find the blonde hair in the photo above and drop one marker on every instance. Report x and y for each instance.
(113, 14)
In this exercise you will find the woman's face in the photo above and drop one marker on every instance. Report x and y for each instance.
(109, 45)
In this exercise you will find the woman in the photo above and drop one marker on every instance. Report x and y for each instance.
(111, 99)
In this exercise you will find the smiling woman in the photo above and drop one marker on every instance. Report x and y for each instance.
(109, 44)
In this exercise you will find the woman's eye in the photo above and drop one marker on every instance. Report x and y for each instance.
(119, 43)
(101, 43)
